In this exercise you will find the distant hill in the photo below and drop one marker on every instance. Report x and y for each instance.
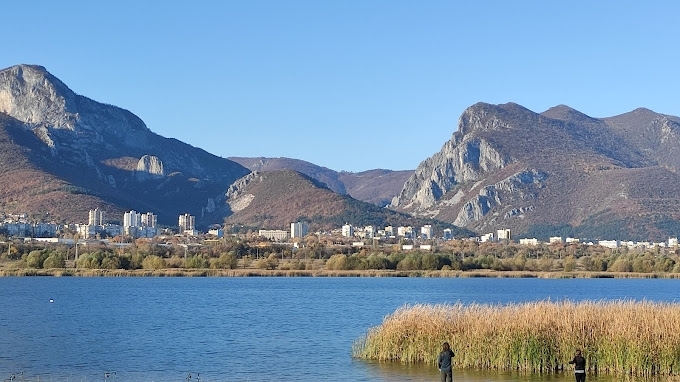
(372, 186)
(560, 172)
(274, 199)
(63, 154)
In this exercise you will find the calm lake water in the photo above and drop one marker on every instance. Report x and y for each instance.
(246, 329)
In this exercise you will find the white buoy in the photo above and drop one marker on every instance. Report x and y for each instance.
(51, 300)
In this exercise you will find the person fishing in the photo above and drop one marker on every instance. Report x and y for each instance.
(444, 363)
(579, 366)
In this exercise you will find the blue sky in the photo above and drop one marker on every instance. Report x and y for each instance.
(350, 85)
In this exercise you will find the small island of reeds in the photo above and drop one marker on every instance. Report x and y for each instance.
(639, 338)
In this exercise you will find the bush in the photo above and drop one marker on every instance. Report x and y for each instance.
(337, 262)
(225, 261)
(270, 262)
(153, 262)
(54, 260)
(196, 262)
(35, 259)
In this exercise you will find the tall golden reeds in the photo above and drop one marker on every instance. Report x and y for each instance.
(640, 338)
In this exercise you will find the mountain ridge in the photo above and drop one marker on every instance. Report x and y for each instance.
(509, 167)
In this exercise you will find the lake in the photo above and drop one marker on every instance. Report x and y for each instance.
(247, 329)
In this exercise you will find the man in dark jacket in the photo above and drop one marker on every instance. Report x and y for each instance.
(579, 367)
(444, 363)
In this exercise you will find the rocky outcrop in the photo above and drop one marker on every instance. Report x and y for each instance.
(459, 161)
(149, 167)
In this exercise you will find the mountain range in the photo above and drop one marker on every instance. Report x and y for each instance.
(559, 172)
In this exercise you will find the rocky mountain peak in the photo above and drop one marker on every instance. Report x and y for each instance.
(483, 116)
(32, 95)
(566, 113)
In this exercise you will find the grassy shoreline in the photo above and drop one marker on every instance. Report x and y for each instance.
(254, 272)
(633, 338)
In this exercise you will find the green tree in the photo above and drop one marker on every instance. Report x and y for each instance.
(153, 262)
(55, 260)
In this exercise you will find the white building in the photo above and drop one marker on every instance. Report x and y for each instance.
(149, 219)
(389, 231)
(87, 231)
(405, 231)
(347, 230)
(448, 234)
(274, 234)
(488, 237)
(503, 234)
(187, 223)
(299, 229)
(532, 241)
(672, 241)
(131, 219)
(426, 231)
(555, 240)
(570, 240)
(96, 217)
(219, 232)
(613, 244)
(369, 232)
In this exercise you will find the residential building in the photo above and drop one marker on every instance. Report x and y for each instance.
(488, 237)
(503, 234)
(613, 244)
(555, 240)
(347, 230)
(299, 229)
(570, 240)
(672, 241)
(532, 241)
(217, 232)
(187, 223)
(448, 234)
(274, 234)
(131, 219)
(405, 231)
(426, 231)
(96, 217)
(149, 219)
(369, 232)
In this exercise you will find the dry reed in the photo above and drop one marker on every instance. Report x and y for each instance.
(617, 337)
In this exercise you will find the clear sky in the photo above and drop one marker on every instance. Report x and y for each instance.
(348, 84)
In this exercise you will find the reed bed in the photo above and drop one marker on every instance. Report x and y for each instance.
(634, 338)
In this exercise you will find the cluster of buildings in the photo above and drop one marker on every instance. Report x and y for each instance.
(134, 224)
(300, 229)
(145, 225)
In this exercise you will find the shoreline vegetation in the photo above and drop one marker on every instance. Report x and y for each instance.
(254, 272)
(233, 257)
(621, 338)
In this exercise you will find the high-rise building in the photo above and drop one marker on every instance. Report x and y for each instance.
(131, 219)
(299, 229)
(347, 230)
(426, 231)
(186, 223)
(96, 217)
(149, 219)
